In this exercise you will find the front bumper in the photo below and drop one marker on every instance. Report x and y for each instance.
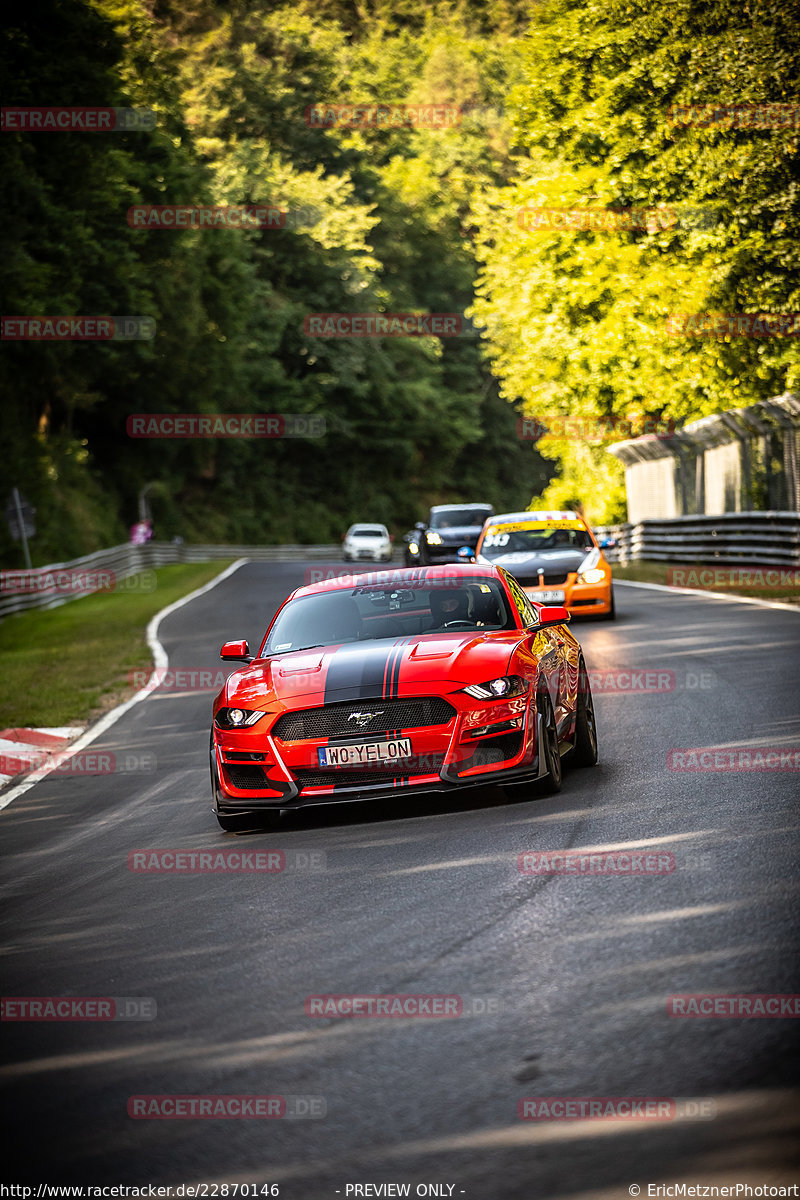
(381, 554)
(579, 598)
(481, 743)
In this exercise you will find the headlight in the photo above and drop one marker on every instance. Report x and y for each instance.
(237, 718)
(497, 689)
(413, 548)
(433, 538)
(593, 575)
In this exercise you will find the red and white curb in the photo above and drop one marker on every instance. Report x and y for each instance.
(160, 662)
(23, 750)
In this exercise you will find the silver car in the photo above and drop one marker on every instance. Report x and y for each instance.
(371, 542)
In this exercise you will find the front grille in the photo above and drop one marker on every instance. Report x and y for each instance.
(332, 719)
(246, 777)
(535, 580)
(430, 765)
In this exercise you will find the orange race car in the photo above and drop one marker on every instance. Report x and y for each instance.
(555, 558)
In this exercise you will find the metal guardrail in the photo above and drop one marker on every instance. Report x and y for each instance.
(745, 538)
(107, 570)
(749, 538)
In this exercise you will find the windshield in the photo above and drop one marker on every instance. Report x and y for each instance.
(531, 539)
(364, 614)
(375, 532)
(451, 518)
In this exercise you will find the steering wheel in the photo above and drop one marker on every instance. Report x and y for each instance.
(451, 624)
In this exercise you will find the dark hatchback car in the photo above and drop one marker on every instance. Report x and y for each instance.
(448, 528)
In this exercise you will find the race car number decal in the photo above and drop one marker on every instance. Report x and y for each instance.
(359, 753)
(502, 531)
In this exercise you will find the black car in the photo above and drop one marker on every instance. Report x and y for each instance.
(448, 528)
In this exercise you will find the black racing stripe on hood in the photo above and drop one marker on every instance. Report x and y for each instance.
(393, 662)
(357, 672)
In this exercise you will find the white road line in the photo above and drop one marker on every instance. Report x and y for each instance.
(684, 591)
(160, 661)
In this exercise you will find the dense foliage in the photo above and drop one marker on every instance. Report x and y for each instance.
(579, 316)
(564, 106)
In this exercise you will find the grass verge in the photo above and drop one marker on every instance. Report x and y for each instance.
(702, 576)
(68, 665)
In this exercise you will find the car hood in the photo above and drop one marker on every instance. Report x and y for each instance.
(525, 566)
(372, 670)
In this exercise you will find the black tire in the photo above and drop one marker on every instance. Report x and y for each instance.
(584, 752)
(551, 783)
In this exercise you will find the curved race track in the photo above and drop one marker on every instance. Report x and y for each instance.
(423, 897)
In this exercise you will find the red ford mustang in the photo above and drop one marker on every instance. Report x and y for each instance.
(419, 680)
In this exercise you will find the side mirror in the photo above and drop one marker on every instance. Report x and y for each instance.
(236, 651)
(465, 554)
(552, 615)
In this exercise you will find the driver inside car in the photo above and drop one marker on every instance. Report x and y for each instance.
(450, 606)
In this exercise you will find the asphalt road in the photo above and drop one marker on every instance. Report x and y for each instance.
(572, 974)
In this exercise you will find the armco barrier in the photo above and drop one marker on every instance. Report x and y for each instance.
(749, 538)
(121, 562)
(727, 539)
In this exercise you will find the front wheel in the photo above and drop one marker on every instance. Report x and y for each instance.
(551, 783)
(611, 615)
(235, 822)
(584, 752)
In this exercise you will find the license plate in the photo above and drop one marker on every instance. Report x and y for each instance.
(361, 754)
(545, 597)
